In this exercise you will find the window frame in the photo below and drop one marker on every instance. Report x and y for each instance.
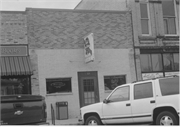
(174, 59)
(176, 20)
(162, 62)
(27, 86)
(149, 19)
(151, 62)
(164, 55)
(58, 78)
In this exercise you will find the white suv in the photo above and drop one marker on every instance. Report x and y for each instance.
(152, 101)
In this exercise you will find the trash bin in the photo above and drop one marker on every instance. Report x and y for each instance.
(61, 110)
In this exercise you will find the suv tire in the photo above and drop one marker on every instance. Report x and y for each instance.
(93, 120)
(166, 118)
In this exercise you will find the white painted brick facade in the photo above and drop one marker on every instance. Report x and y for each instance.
(68, 62)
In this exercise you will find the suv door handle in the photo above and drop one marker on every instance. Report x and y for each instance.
(128, 104)
(153, 101)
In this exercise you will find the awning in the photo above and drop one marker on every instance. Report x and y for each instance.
(15, 65)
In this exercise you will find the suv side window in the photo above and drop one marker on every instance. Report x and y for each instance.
(121, 94)
(169, 86)
(143, 90)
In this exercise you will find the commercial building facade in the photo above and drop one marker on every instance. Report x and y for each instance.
(57, 38)
(56, 50)
(156, 37)
(15, 59)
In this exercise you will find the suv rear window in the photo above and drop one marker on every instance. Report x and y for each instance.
(169, 86)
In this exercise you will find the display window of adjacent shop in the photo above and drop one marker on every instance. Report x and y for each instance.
(159, 62)
(111, 82)
(58, 85)
(15, 85)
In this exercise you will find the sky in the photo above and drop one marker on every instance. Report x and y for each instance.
(21, 5)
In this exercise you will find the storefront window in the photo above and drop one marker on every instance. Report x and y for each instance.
(156, 62)
(58, 85)
(111, 82)
(15, 85)
(168, 62)
(145, 62)
(176, 61)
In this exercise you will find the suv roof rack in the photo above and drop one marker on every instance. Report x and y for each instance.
(156, 78)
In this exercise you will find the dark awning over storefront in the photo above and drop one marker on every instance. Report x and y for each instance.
(15, 65)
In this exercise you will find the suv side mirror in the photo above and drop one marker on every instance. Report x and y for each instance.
(106, 101)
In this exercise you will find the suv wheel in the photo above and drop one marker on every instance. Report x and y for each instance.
(166, 118)
(93, 120)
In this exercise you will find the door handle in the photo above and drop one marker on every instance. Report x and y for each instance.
(153, 101)
(128, 104)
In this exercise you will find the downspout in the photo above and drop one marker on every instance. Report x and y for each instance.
(134, 45)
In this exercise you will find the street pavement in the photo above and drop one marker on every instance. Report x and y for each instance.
(76, 122)
(65, 122)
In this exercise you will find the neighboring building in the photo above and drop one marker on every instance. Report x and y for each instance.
(15, 61)
(109, 5)
(156, 37)
(156, 34)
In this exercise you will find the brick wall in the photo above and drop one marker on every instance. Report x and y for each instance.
(35, 76)
(65, 29)
(14, 31)
(13, 28)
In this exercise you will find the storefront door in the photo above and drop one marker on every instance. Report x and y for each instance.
(88, 88)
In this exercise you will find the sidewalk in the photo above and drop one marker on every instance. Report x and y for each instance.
(65, 122)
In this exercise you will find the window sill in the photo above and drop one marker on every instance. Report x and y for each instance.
(171, 38)
(57, 94)
(146, 37)
(171, 35)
